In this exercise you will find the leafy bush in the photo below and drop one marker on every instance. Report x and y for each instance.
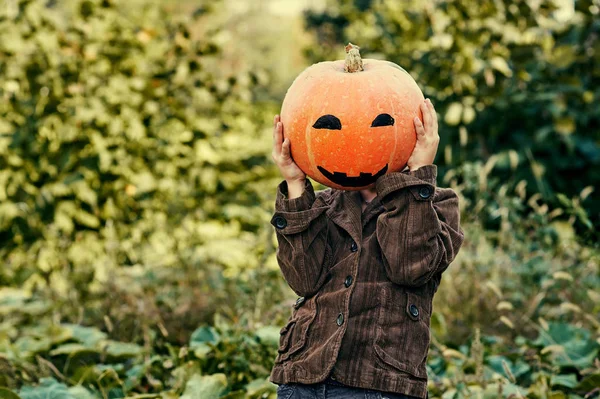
(132, 180)
(121, 146)
(514, 79)
(136, 192)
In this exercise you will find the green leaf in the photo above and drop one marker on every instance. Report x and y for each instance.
(509, 390)
(500, 65)
(201, 350)
(204, 334)
(35, 308)
(260, 387)
(453, 114)
(589, 382)
(579, 350)
(235, 395)
(80, 392)
(557, 395)
(88, 336)
(205, 387)
(134, 377)
(11, 299)
(564, 200)
(8, 212)
(203, 340)
(122, 349)
(72, 350)
(144, 182)
(48, 388)
(517, 369)
(565, 125)
(87, 219)
(565, 380)
(6, 393)
(31, 345)
(269, 335)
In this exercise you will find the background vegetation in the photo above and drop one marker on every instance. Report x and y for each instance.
(136, 190)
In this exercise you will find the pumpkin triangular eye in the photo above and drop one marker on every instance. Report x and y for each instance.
(383, 120)
(328, 122)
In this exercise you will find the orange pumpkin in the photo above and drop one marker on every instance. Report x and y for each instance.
(350, 122)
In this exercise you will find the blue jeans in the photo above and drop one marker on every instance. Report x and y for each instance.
(330, 389)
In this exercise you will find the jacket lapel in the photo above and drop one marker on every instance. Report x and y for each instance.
(346, 212)
(373, 210)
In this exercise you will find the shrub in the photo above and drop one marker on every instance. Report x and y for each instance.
(120, 144)
(512, 79)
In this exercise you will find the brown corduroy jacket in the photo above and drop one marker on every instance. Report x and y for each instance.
(366, 280)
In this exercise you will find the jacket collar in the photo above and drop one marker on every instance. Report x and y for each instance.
(346, 212)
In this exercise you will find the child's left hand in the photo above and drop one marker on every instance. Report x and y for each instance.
(427, 138)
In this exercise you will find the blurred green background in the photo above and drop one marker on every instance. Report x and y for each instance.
(136, 189)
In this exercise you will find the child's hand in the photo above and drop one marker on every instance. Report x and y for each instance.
(283, 157)
(427, 138)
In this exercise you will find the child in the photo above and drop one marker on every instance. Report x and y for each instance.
(366, 265)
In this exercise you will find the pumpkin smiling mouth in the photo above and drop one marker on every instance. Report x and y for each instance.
(342, 179)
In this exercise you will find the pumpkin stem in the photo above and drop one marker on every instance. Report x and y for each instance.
(353, 61)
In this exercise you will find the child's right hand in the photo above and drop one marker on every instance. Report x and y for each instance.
(283, 157)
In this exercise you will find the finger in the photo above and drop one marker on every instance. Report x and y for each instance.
(432, 113)
(281, 135)
(419, 127)
(285, 149)
(275, 147)
(426, 116)
(277, 137)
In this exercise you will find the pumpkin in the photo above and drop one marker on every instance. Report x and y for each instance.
(351, 121)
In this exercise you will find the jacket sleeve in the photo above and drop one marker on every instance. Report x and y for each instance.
(419, 232)
(301, 229)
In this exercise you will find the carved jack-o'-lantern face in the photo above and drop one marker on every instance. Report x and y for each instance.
(348, 129)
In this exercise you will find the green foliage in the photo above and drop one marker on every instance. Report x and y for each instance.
(7, 394)
(246, 355)
(220, 360)
(211, 386)
(116, 130)
(512, 79)
(136, 192)
(133, 178)
(49, 388)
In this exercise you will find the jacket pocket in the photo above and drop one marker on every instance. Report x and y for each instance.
(294, 334)
(402, 336)
(284, 336)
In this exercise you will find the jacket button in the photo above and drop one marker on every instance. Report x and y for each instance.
(425, 192)
(353, 247)
(340, 319)
(280, 222)
(348, 281)
(299, 302)
(414, 311)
